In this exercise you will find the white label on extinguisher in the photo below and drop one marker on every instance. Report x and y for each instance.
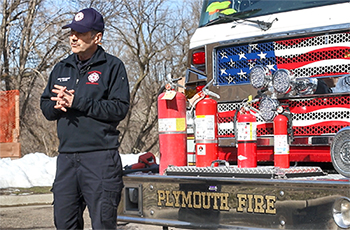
(246, 131)
(205, 127)
(171, 124)
(281, 146)
(169, 95)
(201, 150)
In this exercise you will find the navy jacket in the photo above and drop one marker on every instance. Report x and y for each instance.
(101, 101)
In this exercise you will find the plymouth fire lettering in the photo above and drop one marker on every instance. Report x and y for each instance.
(217, 201)
(193, 199)
(256, 203)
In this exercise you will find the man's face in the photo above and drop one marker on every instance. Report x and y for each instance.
(82, 43)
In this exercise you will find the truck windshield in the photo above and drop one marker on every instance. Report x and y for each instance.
(213, 10)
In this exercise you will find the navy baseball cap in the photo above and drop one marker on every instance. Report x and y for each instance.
(87, 20)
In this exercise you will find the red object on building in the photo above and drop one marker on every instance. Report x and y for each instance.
(9, 124)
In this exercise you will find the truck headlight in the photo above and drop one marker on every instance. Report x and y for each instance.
(341, 212)
(282, 81)
(260, 76)
(268, 108)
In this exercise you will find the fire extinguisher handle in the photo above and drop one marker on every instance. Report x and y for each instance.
(208, 84)
(247, 105)
(207, 92)
(173, 81)
(194, 103)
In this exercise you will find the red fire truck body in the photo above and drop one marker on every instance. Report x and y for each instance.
(312, 49)
(279, 72)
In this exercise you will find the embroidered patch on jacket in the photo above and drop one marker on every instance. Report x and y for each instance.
(93, 77)
(63, 79)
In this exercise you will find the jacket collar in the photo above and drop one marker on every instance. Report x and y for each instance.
(99, 56)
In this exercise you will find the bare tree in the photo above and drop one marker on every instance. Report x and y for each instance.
(30, 45)
(146, 29)
(8, 17)
(151, 37)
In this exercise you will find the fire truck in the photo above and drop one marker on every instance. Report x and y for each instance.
(260, 138)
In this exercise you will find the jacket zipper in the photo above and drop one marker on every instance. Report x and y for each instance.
(82, 72)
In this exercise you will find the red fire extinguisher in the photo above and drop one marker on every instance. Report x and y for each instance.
(172, 129)
(206, 130)
(246, 140)
(281, 146)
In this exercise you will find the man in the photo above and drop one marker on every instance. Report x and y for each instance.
(88, 95)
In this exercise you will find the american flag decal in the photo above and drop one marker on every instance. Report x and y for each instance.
(324, 55)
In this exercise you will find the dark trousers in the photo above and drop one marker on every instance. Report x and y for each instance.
(92, 179)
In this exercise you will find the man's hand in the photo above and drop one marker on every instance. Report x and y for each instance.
(64, 98)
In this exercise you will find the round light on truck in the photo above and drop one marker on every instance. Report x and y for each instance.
(260, 76)
(268, 108)
(341, 212)
(282, 81)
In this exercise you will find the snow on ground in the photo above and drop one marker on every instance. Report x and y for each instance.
(37, 169)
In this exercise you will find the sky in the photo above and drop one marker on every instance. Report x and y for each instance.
(38, 169)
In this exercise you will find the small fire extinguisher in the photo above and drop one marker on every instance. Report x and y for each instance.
(281, 144)
(246, 135)
(172, 127)
(246, 140)
(206, 128)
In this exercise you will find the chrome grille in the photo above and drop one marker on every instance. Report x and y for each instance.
(301, 55)
(327, 115)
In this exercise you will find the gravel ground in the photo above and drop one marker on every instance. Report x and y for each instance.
(40, 217)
